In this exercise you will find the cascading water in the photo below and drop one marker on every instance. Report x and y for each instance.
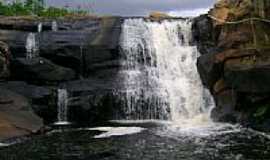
(159, 64)
(62, 107)
(32, 46)
(54, 26)
(40, 26)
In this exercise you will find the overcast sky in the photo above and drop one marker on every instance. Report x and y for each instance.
(139, 7)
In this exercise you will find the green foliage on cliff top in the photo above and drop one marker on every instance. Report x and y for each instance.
(36, 8)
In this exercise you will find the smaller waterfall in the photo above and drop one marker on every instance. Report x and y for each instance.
(32, 46)
(62, 107)
(54, 26)
(40, 26)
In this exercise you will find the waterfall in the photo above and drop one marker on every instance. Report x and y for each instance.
(32, 46)
(54, 26)
(40, 26)
(159, 72)
(62, 107)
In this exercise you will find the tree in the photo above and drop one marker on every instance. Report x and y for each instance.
(35, 6)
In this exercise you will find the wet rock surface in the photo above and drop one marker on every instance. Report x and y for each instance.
(64, 53)
(236, 68)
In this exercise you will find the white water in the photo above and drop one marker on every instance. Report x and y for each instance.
(62, 107)
(40, 26)
(32, 46)
(4, 144)
(54, 26)
(159, 61)
(116, 131)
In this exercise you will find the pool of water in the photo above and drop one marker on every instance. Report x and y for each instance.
(144, 141)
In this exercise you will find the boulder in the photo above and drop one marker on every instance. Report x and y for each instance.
(90, 100)
(40, 70)
(43, 99)
(16, 116)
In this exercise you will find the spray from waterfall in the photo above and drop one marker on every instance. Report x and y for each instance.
(32, 46)
(160, 74)
(62, 107)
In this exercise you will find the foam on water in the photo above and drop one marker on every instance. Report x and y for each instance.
(116, 131)
(4, 144)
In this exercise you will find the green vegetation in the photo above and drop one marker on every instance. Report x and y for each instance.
(36, 8)
(262, 113)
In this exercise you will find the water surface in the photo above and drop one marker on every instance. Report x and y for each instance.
(153, 142)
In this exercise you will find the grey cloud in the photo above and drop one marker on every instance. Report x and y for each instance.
(134, 7)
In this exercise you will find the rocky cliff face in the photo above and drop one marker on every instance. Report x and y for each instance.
(235, 62)
(38, 56)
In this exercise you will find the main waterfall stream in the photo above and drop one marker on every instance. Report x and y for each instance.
(160, 65)
(165, 114)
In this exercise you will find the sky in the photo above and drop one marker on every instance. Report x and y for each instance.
(139, 7)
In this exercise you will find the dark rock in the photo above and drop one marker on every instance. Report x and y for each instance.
(43, 99)
(40, 71)
(30, 24)
(16, 116)
(66, 48)
(204, 34)
(4, 60)
(29, 91)
(71, 46)
(209, 70)
(16, 40)
(92, 107)
(225, 110)
(248, 74)
(220, 86)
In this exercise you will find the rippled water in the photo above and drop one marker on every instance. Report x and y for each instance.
(150, 141)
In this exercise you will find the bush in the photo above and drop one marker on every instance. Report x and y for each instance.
(37, 8)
